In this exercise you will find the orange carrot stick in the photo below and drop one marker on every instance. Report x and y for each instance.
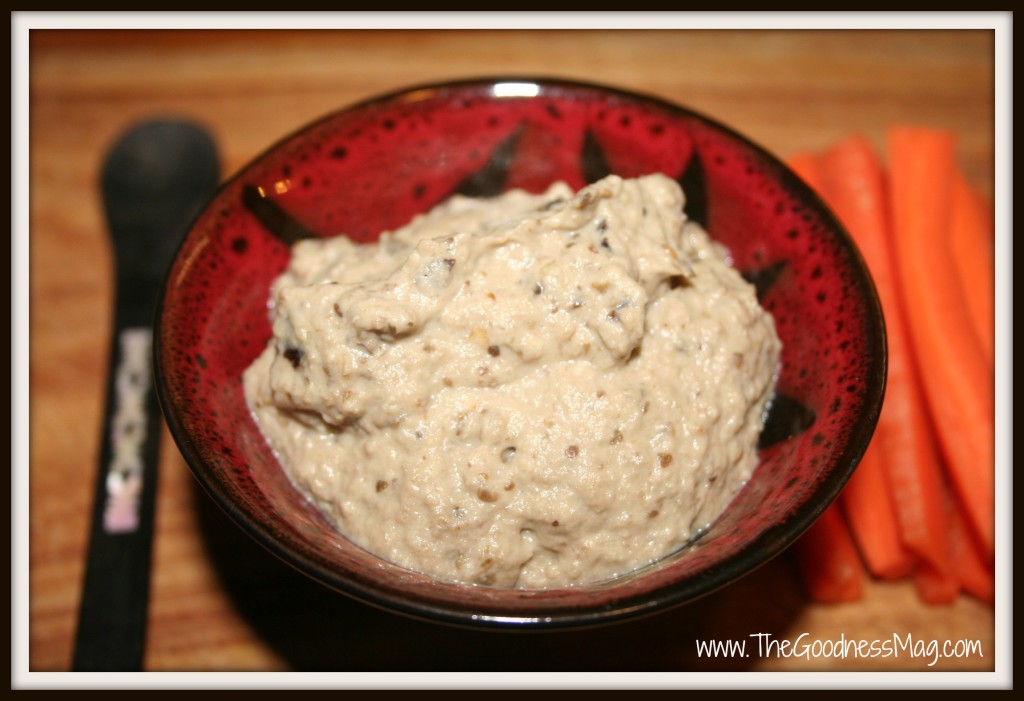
(972, 245)
(806, 164)
(975, 575)
(935, 586)
(970, 573)
(827, 560)
(983, 205)
(957, 378)
(867, 503)
(867, 500)
(853, 182)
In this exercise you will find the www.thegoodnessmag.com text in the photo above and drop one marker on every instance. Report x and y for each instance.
(767, 645)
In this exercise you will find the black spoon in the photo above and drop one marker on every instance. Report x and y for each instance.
(155, 179)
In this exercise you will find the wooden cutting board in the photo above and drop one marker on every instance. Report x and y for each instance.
(219, 602)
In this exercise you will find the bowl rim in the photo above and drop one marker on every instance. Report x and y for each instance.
(760, 550)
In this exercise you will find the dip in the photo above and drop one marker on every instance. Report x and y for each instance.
(532, 391)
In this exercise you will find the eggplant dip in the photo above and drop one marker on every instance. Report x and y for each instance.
(532, 390)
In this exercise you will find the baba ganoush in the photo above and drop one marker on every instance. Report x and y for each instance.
(532, 390)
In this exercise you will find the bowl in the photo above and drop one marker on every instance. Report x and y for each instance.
(372, 167)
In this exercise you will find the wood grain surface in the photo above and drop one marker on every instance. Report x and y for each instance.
(221, 603)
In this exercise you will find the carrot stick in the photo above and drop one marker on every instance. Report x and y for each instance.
(868, 505)
(983, 205)
(853, 182)
(935, 586)
(957, 378)
(975, 575)
(972, 244)
(827, 560)
(806, 164)
(867, 500)
(971, 574)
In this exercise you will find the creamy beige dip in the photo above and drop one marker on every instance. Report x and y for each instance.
(528, 391)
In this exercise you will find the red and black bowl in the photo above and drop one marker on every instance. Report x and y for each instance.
(371, 167)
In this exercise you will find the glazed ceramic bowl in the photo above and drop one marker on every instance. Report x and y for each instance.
(371, 167)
